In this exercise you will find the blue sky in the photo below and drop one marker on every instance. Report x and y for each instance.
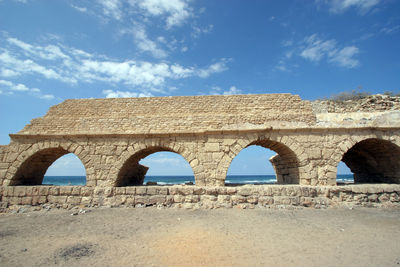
(54, 50)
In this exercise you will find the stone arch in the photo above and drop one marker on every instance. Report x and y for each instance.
(132, 173)
(373, 160)
(31, 165)
(286, 163)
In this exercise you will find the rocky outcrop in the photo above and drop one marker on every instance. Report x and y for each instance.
(372, 103)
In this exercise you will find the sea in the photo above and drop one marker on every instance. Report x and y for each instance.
(169, 180)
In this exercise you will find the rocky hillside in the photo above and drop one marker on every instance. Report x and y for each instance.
(371, 103)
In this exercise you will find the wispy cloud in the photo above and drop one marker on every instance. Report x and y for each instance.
(80, 9)
(390, 30)
(216, 90)
(197, 31)
(214, 68)
(144, 43)
(73, 66)
(340, 6)
(9, 88)
(112, 8)
(345, 57)
(118, 94)
(317, 49)
(175, 12)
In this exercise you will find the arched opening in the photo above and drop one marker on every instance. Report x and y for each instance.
(155, 166)
(252, 166)
(374, 161)
(34, 168)
(344, 174)
(67, 170)
(283, 160)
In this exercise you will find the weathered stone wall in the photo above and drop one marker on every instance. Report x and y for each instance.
(111, 136)
(171, 114)
(306, 156)
(249, 196)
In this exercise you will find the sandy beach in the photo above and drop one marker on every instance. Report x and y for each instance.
(224, 237)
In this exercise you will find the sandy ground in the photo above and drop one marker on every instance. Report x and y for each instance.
(226, 237)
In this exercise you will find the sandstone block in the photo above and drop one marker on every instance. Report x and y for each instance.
(157, 190)
(265, 200)
(141, 190)
(238, 199)
(86, 191)
(178, 198)
(43, 190)
(192, 199)
(74, 200)
(86, 200)
(252, 199)
(245, 191)
(199, 191)
(54, 191)
(212, 147)
(208, 198)
(130, 190)
(38, 200)
(130, 201)
(120, 190)
(13, 200)
(212, 191)
(57, 199)
(8, 191)
(231, 190)
(157, 200)
(26, 201)
(20, 191)
(108, 191)
(65, 190)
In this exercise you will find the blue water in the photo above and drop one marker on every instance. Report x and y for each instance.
(163, 180)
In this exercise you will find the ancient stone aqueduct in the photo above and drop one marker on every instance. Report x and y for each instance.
(111, 136)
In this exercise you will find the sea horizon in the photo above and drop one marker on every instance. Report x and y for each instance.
(182, 179)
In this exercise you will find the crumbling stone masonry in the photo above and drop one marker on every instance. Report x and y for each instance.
(111, 136)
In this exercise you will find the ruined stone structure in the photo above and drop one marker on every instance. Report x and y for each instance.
(111, 136)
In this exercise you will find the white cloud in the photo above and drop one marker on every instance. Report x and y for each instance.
(214, 68)
(117, 94)
(112, 8)
(8, 73)
(9, 88)
(80, 9)
(197, 31)
(47, 97)
(390, 30)
(145, 44)
(162, 160)
(317, 49)
(287, 43)
(49, 52)
(363, 6)
(175, 11)
(232, 91)
(73, 66)
(18, 67)
(216, 90)
(344, 57)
